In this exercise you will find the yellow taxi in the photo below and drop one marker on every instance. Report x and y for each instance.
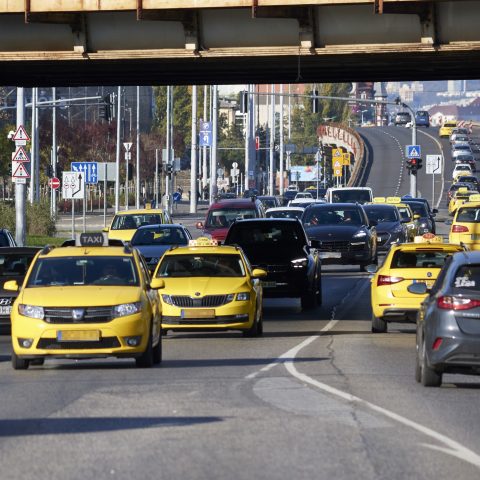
(126, 222)
(405, 264)
(465, 228)
(406, 214)
(461, 196)
(88, 300)
(447, 128)
(209, 287)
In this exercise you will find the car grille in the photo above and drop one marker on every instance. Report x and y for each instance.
(208, 301)
(340, 246)
(54, 344)
(90, 315)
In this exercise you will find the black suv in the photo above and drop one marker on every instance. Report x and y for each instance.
(281, 247)
(344, 233)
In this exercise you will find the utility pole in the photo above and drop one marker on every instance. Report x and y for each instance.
(271, 189)
(54, 152)
(193, 154)
(281, 140)
(117, 155)
(20, 208)
(204, 165)
(137, 168)
(34, 146)
(213, 151)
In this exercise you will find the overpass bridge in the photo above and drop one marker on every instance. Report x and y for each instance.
(92, 42)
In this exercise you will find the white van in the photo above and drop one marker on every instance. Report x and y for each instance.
(349, 195)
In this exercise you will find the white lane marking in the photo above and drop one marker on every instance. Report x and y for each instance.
(402, 161)
(454, 448)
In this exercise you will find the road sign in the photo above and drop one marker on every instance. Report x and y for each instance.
(234, 164)
(346, 158)
(205, 134)
(20, 155)
(19, 170)
(128, 155)
(433, 164)
(128, 146)
(54, 183)
(108, 168)
(337, 171)
(21, 136)
(73, 185)
(414, 151)
(89, 170)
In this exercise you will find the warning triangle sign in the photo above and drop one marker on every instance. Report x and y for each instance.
(20, 155)
(21, 172)
(21, 134)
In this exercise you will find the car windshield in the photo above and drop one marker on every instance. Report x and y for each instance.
(348, 196)
(461, 146)
(133, 221)
(465, 158)
(201, 265)
(405, 213)
(91, 270)
(224, 217)
(422, 114)
(419, 208)
(266, 234)
(465, 178)
(268, 202)
(332, 216)
(285, 214)
(419, 259)
(382, 214)
(467, 277)
(469, 215)
(160, 236)
(462, 167)
(15, 264)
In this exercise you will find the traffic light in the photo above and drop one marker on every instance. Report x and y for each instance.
(419, 163)
(105, 109)
(414, 165)
(315, 103)
(409, 164)
(168, 169)
(130, 171)
(243, 101)
(49, 171)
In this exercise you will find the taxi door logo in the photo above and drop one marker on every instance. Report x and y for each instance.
(77, 314)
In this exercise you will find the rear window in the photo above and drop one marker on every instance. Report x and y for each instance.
(420, 259)
(133, 221)
(382, 214)
(349, 196)
(450, 124)
(266, 234)
(201, 265)
(467, 277)
(285, 214)
(469, 215)
(224, 217)
(332, 216)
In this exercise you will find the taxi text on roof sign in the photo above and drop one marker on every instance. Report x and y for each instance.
(379, 200)
(394, 199)
(475, 197)
(428, 238)
(96, 239)
(203, 242)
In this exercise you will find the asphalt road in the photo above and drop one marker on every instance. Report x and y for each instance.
(317, 397)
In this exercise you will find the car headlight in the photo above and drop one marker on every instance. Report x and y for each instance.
(126, 309)
(300, 262)
(360, 234)
(167, 299)
(31, 311)
(244, 296)
(423, 224)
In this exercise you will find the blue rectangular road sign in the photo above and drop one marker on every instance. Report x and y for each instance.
(205, 134)
(89, 170)
(414, 151)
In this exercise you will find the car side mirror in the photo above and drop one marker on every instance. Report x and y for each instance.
(418, 288)
(371, 268)
(157, 283)
(11, 286)
(199, 225)
(259, 273)
(416, 216)
(106, 229)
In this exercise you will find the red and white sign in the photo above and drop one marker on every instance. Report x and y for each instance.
(20, 155)
(257, 143)
(21, 136)
(54, 183)
(19, 170)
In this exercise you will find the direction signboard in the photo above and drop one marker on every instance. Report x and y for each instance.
(205, 134)
(414, 151)
(89, 170)
(73, 185)
(433, 164)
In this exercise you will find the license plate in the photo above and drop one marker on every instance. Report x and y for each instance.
(330, 255)
(198, 313)
(269, 284)
(5, 310)
(428, 283)
(78, 335)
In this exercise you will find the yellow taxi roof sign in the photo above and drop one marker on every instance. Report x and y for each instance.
(394, 199)
(428, 238)
(203, 242)
(474, 197)
(379, 200)
(462, 190)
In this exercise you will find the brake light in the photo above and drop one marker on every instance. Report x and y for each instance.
(437, 343)
(387, 280)
(457, 303)
(459, 229)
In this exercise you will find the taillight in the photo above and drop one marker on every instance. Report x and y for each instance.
(387, 280)
(437, 343)
(459, 229)
(457, 303)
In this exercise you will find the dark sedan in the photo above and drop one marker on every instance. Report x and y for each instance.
(448, 322)
(391, 227)
(154, 240)
(426, 221)
(344, 233)
(281, 248)
(14, 263)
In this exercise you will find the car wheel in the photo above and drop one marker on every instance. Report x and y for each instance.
(428, 376)
(19, 363)
(308, 301)
(379, 325)
(145, 360)
(157, 351)
(255, 330)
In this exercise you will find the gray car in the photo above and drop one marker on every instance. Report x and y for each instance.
(448, 322)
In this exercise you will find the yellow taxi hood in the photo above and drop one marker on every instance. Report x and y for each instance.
(125, 235)
(80, 296)
(203, 285)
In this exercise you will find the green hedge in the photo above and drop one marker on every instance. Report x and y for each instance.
(39, 221)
